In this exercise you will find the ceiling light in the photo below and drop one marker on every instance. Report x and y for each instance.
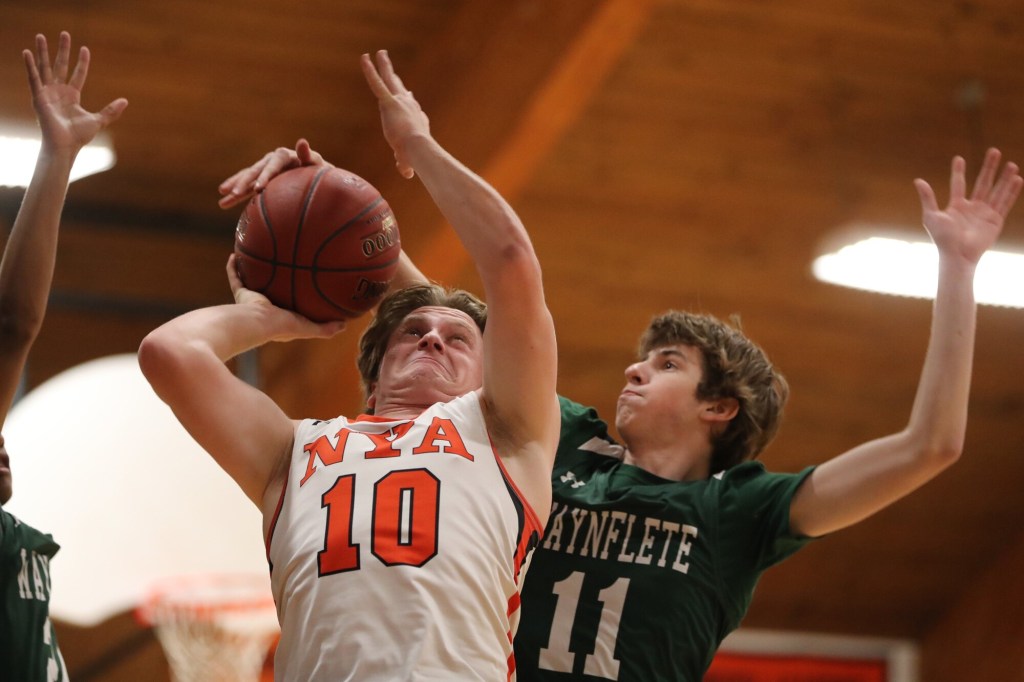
(18, 154)
(909, 267)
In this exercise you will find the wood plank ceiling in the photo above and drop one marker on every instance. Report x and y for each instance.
(663, 154)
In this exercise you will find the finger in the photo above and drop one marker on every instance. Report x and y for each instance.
(43, 59)
(332, 328)
(306, 156)
(957, 183)
(373, 79)
(112, 111)
(234, 281)
(281, 160)
(387, 72)
(60, 66)
(242, 180)
(303, 152)
(405, 170)
(244, 176)
(1006, 191)
(237, 188)
(77, 80)
(927, 196)
(33, 73)
(987, 175)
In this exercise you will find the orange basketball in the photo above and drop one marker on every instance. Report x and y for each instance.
(318, 240)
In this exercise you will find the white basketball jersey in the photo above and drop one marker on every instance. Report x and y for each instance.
(397, 550)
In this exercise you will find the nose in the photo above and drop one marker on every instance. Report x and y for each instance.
(431, 339)
(635, 374)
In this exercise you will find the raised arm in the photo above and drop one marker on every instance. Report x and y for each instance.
(28, 261)
(238, 425)
(868, 478)
(520, 363)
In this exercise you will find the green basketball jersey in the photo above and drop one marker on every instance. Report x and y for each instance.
(639, 578)
(28, 643)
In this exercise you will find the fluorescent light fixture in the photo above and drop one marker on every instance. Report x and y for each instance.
(909, 267)
(18, 159)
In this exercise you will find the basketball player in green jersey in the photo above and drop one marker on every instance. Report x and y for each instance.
(655, 543)
(28, 646)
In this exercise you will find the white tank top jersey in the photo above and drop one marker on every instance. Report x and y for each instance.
(397, 550)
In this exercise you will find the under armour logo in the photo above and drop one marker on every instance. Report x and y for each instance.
(570, 476)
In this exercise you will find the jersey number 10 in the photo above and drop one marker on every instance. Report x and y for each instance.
(404, 521)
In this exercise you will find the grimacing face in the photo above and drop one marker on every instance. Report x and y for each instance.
(435, 354)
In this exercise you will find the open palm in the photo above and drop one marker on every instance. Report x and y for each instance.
(57, 96)
(968, 226)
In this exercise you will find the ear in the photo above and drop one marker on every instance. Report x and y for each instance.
(371, 398)
(721, 410)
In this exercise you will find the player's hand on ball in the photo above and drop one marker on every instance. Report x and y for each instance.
(248, 181)
(300, 328)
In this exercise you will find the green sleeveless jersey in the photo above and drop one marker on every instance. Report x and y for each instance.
(28, 643)
(639, 578)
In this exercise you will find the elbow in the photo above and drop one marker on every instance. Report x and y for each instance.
(519, 260)
(947, 455)
(941, 453)
(161, 360)
(18, 331)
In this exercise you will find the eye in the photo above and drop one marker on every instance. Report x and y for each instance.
(413, 331)
(669, 364)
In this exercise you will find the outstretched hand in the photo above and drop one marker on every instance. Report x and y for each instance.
(57, 97)
(968, 226)
(400, 114)
(248, 181)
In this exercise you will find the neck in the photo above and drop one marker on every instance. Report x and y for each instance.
(676, 461)
(408, 404)
(400, 411)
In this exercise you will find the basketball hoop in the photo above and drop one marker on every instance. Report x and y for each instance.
(212, 627)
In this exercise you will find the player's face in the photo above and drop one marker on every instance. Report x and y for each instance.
(6, 483)
(660, 396)
(435, 354)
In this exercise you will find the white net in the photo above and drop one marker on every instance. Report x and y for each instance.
(213, 628)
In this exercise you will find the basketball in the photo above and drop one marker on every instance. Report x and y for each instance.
(320, 241)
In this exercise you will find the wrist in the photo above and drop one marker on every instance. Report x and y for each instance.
(57, 154)
(417, 146)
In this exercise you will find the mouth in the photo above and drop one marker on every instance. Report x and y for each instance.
(427, 358)
(629, 393)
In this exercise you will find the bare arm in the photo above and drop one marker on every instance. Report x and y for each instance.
(26, 271)
(868, 478)
(241, 427)
(520, 357)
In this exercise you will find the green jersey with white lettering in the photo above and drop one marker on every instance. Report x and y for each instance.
(28, 643)
(639, 578)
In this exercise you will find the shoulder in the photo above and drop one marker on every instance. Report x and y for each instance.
(754, 476)
(580, 422)
(574, 411)
(750, 491)
(583, 431)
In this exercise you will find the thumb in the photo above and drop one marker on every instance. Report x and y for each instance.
(113, 111)
(927, 196)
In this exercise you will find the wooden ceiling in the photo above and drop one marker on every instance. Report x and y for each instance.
(663, 153)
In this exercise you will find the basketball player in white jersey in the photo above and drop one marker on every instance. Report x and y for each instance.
(396, 540)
